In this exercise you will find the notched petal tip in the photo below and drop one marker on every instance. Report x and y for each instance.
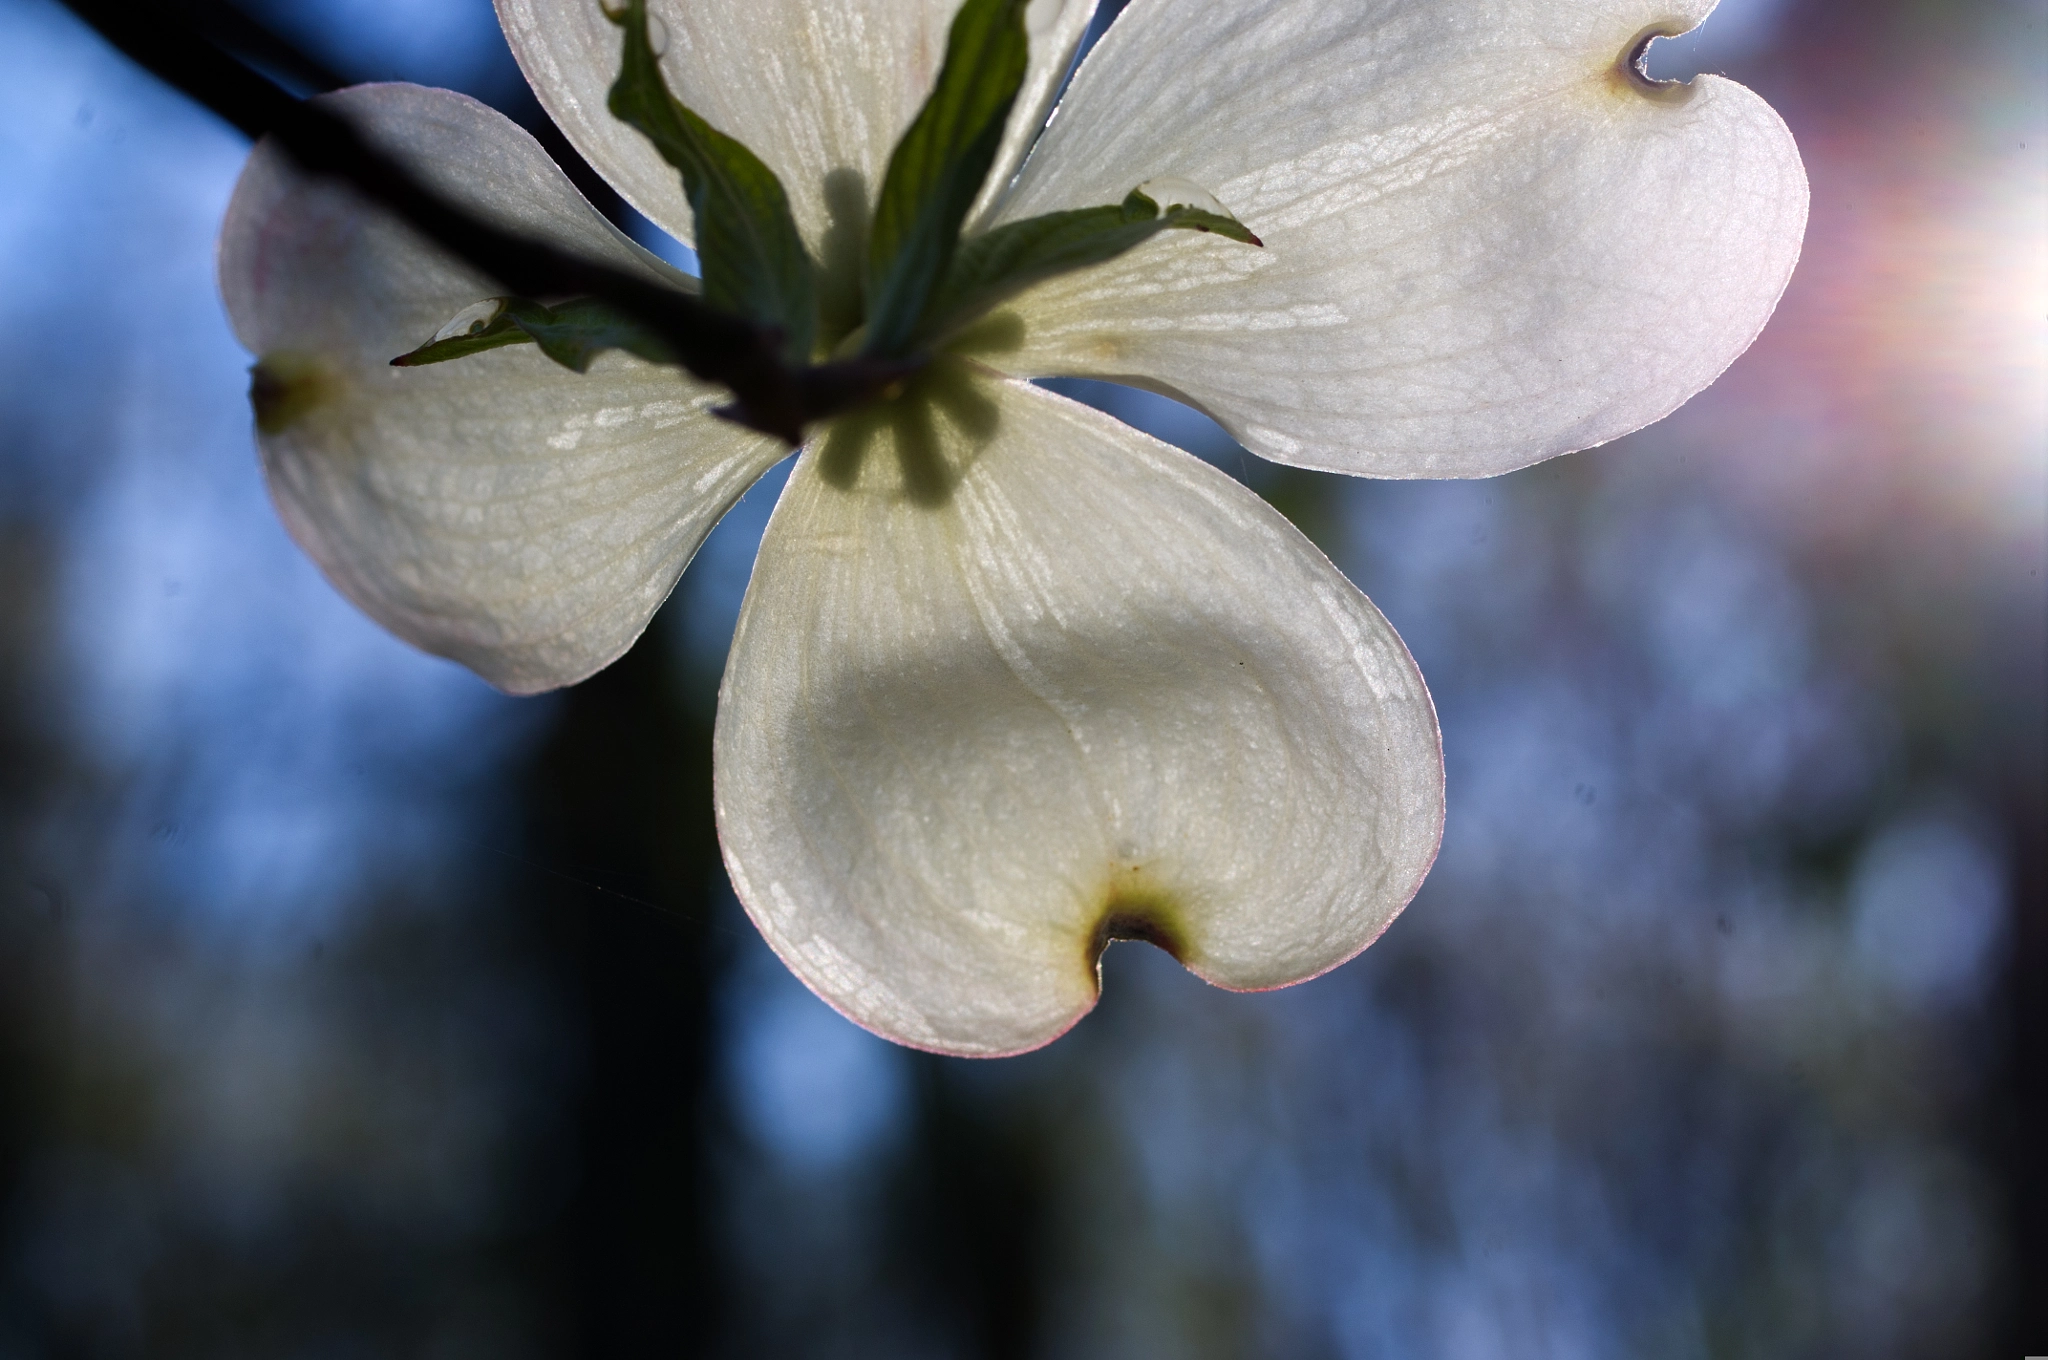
(1136, 907)
(1630, 74)
(287, 386)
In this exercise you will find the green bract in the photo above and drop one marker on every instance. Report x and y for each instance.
(920, 282)
(752, 255)
(938, 168)
(753, 259)
(571, 333)
(999, 263)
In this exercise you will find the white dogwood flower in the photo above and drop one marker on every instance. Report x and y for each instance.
(1011, 678)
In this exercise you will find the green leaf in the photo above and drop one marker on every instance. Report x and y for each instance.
(754, 262)
(571, 333)
(1000, 263)
(485, 325)
(937, 169)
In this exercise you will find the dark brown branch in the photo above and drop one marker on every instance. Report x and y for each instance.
(769, 395)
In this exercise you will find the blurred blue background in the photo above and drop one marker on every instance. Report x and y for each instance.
(349, 1008)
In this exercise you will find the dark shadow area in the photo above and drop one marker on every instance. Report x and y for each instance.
(843, 256)
(618, 807)
(906, 423)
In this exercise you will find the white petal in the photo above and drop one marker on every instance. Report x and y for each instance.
(1056, 28)
(1093, 684)
(500, 510)
(814, 87)
(1486, 243)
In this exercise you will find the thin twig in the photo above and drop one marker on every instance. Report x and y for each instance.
(172, 43)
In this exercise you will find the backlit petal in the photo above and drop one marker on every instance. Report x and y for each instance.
(817, 88)
(1021, 677)
(1487, 240)
(1056, 28)
(499, 509)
